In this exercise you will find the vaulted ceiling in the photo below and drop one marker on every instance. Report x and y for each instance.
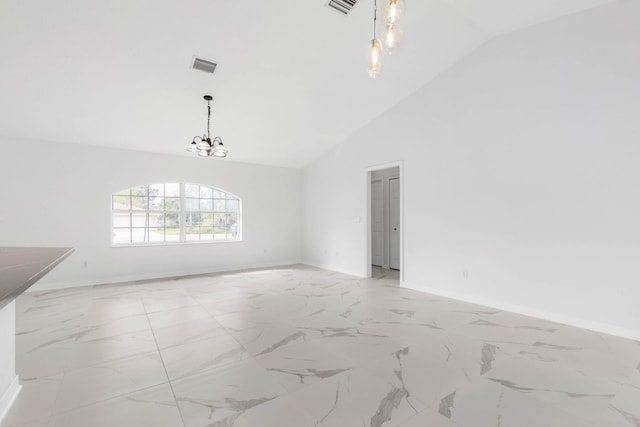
(291, 81)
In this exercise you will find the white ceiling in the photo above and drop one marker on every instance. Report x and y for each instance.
(291, 81)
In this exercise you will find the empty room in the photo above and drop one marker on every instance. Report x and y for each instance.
(327, 213)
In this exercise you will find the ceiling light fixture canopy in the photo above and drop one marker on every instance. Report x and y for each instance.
(203, 145)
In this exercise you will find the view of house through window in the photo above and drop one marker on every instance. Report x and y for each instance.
(174, 213)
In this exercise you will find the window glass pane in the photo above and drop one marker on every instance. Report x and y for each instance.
(172, 203)
(156, 190)
(206, 204)
(191, 190)
(139, 235)
(217, 194)
(139, 203)
(142, 190)
(121, 219)
(139, 219)
(206, 192)
(219, 205)
(121, 235)
(120, 202)
(192, 204)
(172, 190)
(156, 219)
(192, 218)
(156, 234)
(206, 219)
(126, 192)
(171, 219)
(156, 203)
(192, 232)
(233, 205)
(172, 234)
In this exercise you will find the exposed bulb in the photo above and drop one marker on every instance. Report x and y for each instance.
(375, 58)
(392, 37)
(394, 11)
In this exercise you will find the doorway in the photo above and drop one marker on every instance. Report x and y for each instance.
(385, 221)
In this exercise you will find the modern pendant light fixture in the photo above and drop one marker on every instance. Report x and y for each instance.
(375, 49)
(394, 12)
(204, 145)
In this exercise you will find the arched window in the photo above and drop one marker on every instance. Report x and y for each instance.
(174, 213)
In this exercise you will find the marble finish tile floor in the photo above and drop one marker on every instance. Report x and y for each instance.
(298, 346)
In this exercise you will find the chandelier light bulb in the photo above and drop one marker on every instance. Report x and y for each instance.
(375, 58)
(392, 37)
(394, 11)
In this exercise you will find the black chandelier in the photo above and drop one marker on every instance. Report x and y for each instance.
(204, 145)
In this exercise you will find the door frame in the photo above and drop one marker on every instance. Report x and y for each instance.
(367, 174)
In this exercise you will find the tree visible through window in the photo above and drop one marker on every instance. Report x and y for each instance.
(174, 213)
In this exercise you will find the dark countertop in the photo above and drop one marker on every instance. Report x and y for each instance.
(22, 267)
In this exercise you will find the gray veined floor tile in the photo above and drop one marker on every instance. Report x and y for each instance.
(350, 352)
(39, 423)
(100, 350)
(572, 392)
(428, 418)
(163, 319)
(198, 356)
(489, 404)
(299, 365)
(99, 312)
(282, 411)
(357, 346)
(34, 402)
(93, 384)
(260, 340)
(226, 393)
(166, 301)
(623, 410)
(188, 332)
(91, 330)
(355, 398)
(152, 407)
(586, 360)
(422, 378)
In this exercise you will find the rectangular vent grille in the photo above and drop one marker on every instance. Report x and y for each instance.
(204, 65)
(342, 6)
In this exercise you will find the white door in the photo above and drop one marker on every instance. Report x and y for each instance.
(394, 223)
(377, 223)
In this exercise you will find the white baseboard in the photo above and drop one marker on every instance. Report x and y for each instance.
(530, 311)
(162, 276)
(9, 397)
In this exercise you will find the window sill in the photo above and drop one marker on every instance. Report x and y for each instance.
(147, 245)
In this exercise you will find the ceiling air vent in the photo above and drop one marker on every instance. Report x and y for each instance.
(204, 65)
(342, 6)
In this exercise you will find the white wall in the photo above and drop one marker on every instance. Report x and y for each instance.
(521, 167)
(59, 195)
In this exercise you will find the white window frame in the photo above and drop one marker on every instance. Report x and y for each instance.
(182, 212)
